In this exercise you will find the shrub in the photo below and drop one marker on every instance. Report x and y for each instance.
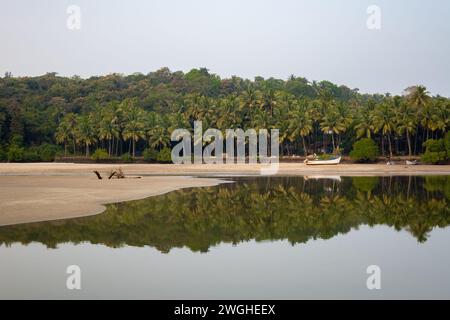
(15, 153)
(150, 155)
(447, 144)
(435, 151)
(100, 154)
(126, 157)
(47, 152)
(3, 155)
(31, 155)
(364, 150)
(16, 140)
(165, 155)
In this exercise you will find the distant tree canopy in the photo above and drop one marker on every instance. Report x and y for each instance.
(128, 114)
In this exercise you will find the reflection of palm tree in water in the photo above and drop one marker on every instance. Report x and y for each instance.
(286, 208)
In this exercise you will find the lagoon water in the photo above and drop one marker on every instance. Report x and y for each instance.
(258, 238)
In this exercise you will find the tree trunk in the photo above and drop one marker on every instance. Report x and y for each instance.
(134, 148)
(304, 146)
(408, 139)
(390, 145)
(334, 146)
(87, 150)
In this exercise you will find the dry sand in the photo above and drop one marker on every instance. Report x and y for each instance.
(213, 170)
(50, 191)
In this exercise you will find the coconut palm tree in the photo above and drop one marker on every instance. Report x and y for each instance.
(406, 118)
(108, 126)
(383, 120)
(418, 96)
(63, 135)
(364, 124)
(300, 124)
(159, 137)
(441, 116)
(333, 123)
(85, 131)
(134, 123)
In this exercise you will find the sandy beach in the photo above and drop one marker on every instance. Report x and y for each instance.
(50, 191)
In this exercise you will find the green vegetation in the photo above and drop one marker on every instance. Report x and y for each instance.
(437, 151)
(150, 155)
(275, 208)
(164, 155)
(100, 154)
(126, 158)
(364, 150)
(128, 114)
(15, 153)
(3, 155)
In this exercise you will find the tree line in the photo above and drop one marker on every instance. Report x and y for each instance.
(129, 114)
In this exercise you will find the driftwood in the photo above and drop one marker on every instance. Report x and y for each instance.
(99, 176)
(118, 174)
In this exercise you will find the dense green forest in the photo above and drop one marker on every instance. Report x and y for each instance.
(121, 115)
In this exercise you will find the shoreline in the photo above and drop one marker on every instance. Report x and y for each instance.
(300, 169)
(28, 199)
(54, 191)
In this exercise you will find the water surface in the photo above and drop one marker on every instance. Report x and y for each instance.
(274, 238)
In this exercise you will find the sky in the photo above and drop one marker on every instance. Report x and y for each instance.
(315, 39)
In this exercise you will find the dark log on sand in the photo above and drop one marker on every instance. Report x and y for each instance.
(98, 175)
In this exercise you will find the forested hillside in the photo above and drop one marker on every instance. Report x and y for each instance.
(42, 116)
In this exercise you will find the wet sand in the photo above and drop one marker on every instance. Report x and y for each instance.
(50, 191)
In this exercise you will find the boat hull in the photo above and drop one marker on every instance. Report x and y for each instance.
(323, 162)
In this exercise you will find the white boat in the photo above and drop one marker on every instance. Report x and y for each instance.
(335, 178)
(411, 163)
(323, 162)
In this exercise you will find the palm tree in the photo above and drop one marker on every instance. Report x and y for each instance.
(268, 101)
(108, 126)
(406, 118)
(85, 131)
(427, 118)
(383, 120)
(333, 123)
(134, 123)
(229, 115)
(418, 96)
(159, 137)
(441, 116)
(364, 123)
(300, 124)
(63, 134)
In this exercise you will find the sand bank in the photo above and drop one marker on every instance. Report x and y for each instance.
(26, 199)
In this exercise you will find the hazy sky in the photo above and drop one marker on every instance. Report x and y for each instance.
(316, 39)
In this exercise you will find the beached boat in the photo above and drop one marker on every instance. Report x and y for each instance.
(323, 162)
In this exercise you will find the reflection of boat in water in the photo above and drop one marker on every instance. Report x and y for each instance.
(323, 162)
(336, 178)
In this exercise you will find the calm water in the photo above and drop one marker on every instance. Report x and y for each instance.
(278, 237)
